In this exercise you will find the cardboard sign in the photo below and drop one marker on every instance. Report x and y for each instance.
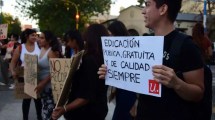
(19, 91)
(30, 75)
(59, 69)
(68, 82)
(3, 31)
(129, 61)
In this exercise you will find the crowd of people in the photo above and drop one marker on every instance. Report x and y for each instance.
(182, 86)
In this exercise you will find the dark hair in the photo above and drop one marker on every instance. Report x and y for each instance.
(174, 7)
(75, 35)
(117, 28)
(198, 34)
(25, 34)
(92, 36)
(15, 36)
(201, 40)
(53, 42)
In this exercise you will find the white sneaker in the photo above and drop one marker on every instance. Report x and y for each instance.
(12, 86)
(2, 84)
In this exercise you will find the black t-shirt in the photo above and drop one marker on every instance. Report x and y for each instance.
(87, 85)
(170, 106)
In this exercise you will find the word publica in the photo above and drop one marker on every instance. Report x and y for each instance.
(130, 54)
(124, 76)
(122, 43)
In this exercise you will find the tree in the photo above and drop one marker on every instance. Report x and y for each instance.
(141, 2)
(197, 8)
(14, 25)
(59, 15)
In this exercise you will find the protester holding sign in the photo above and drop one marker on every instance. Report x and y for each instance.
(182, 85)
(50, 48)
(73, 41)
(87, 99)
(124, 99)
(29, 46)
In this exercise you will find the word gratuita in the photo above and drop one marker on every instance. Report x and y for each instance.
(130, 54)
(122, 43)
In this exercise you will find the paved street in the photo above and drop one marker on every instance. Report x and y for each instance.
(11, 109)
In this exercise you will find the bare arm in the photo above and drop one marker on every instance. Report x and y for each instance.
(191, 89)
(210, 51)
(73, 105)
(45, 81)
(14, 61)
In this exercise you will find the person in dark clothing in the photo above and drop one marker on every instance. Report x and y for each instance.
(3, 64)
(124, 99)
(88, 94)
(182, 88)
(73, 41)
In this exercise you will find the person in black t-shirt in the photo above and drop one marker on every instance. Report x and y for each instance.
(88, 94)
(181, 91)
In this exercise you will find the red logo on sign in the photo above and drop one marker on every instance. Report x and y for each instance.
(154, 87)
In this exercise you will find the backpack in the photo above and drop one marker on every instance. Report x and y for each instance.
(205, 105)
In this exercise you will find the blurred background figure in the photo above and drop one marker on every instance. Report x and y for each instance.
(205, 47)
(203, 42)
(74, 43)
(3, 63)
(125, 100)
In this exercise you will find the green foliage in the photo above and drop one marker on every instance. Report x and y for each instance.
(59, 15)
(141, 2)
(14, 25)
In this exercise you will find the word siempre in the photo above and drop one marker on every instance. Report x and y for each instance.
(124, 76)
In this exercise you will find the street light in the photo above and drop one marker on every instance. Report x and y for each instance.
(77, 16)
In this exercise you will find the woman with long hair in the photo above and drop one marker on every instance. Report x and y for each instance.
(50, 48)
(202, 41)
(74, 41)
(124, 99)
(28, 46)
(87, 98)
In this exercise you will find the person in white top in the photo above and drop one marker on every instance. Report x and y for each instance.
(29, 46)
